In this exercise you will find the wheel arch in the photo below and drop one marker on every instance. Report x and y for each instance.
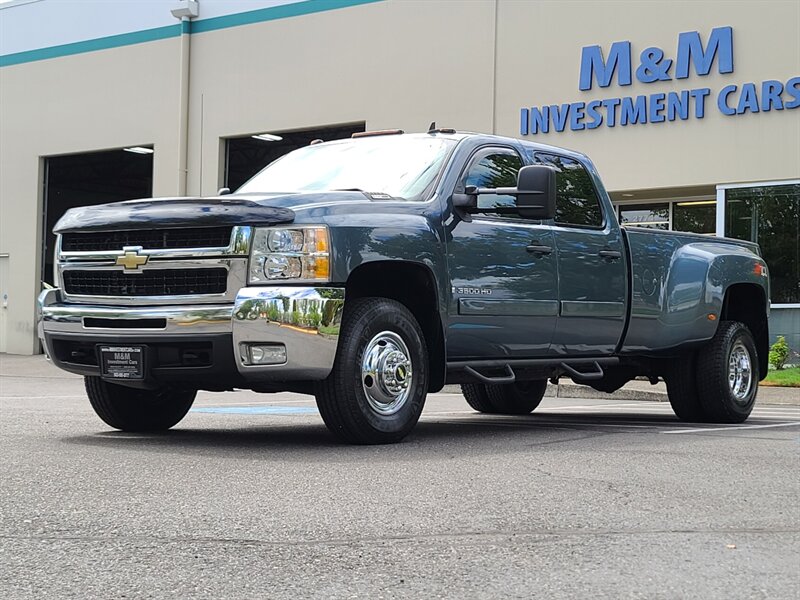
(747, 303)
(414, 285)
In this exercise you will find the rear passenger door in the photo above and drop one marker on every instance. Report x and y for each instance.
(591, 266)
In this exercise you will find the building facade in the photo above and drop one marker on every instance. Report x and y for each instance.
(689, 109)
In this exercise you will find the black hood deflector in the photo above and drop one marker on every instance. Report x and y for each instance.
(171, 212)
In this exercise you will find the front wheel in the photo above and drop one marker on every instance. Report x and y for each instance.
(379, 381)
(131, 409)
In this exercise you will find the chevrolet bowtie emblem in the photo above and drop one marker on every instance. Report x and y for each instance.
(131, 259)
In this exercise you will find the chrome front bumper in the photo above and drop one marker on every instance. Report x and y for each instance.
(305, 320)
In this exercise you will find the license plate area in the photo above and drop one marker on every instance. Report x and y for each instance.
(122, 362)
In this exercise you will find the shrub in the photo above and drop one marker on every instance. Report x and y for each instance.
(779, 353)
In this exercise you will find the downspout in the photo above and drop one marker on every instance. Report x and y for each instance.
(186, 11)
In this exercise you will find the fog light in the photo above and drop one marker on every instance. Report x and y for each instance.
(263, 354)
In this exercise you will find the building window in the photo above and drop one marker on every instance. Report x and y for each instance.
(652, 216)
(690, 216)
(696, 216)
(770, 216)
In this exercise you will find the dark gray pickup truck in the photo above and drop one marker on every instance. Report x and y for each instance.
(374, 270)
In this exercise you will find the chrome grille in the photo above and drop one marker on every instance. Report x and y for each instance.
(151, 282)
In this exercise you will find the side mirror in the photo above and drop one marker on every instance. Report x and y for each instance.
(536, 192)
(224, 191)
(466, 200)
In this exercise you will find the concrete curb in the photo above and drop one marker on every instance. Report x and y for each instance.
(638, 391)
(573, 390)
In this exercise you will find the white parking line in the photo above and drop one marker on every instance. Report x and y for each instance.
(707, 429)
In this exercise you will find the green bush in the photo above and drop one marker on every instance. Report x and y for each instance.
(779, 353)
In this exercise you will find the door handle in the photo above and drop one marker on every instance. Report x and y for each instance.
(538, 249)
(610, 254)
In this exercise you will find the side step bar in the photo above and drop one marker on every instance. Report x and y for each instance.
(570, 367)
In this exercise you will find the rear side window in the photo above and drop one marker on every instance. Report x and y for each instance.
(577, 202)
(494, 168)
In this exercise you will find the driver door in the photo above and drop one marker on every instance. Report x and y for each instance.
(503, 270)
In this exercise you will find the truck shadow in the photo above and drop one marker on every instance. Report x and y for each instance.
(443, 434)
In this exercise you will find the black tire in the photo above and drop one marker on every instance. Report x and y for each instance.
(343, 401)
(518, 398)
(477, 397)
(720, 401)
(131, 409)
(682, 389)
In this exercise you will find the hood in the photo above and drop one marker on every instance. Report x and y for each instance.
(173, 212)
(244, 209)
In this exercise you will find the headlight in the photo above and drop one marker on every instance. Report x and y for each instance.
(297, 254)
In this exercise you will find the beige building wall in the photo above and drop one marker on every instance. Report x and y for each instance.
(103, 100)
(396, 63)
(538, 63)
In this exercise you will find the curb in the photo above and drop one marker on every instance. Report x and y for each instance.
(573, 390)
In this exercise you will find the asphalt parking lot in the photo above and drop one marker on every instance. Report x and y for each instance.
(250, 497)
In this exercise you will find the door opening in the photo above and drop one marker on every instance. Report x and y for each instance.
(245, 156)
(88, 179)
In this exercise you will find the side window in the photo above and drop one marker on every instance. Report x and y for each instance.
(494, 169)
(576, 199)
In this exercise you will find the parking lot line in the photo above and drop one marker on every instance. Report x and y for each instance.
(707, 429)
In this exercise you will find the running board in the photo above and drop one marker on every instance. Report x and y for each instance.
(556, 365)
(584, 375)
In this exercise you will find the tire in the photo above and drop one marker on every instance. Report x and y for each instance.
(728, 374)
(518, 398)
(131, 409)
(477, 397)
(362, 403)
(682, 389)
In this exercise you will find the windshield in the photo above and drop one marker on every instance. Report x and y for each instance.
(397, 165)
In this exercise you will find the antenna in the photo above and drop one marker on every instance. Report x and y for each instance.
(432, 128)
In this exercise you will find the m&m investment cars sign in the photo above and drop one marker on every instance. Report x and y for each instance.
(653, 67)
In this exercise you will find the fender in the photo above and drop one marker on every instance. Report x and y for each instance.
(679, 288)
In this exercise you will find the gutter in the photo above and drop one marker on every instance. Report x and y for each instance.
(185, 11)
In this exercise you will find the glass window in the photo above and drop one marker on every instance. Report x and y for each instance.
(652, 216)
(494, 170)
(576, 199)
(770, 216)
(699, 216)
(402, 166)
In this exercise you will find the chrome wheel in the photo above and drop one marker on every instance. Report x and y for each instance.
(386, 373)
(740, 372)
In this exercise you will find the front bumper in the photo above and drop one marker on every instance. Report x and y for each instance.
(202, 343)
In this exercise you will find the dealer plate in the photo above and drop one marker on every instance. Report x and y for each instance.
(122, 362)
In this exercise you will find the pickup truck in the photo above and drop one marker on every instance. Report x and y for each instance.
(374, 270)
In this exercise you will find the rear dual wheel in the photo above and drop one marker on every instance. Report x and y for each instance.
(518, 398)
(719, 383)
